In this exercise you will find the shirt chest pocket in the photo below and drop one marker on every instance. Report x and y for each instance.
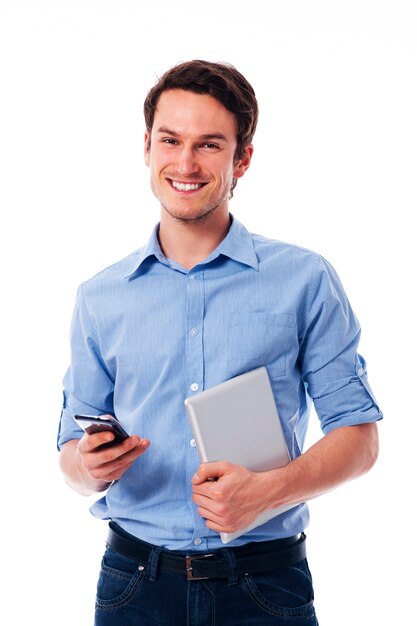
(256, 339)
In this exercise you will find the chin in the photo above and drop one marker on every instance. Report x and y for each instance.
(191, 215)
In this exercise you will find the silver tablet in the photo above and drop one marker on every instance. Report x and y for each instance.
(237, 421)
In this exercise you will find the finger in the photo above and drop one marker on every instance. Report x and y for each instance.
(125, 460)
(88, 443)
(216, 521)
(103, 463)
(209, 471)
(203, 500)
(117, 450)
(111, 452)
(113, 469)
(122, 454)
(219, 528)
(209, 512)
(220, 520)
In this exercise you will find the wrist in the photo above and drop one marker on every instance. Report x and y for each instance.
(275, 486)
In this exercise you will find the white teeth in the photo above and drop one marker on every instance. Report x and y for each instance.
(185, 186)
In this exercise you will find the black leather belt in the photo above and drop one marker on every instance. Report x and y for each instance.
(250, 558)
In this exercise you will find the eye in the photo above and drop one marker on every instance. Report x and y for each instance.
(211, 146)
(170, 141)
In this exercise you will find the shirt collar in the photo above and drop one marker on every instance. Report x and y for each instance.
(152, 248)
(237, 245)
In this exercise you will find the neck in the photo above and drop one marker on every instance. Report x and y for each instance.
(188, 242)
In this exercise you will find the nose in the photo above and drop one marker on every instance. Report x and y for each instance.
(186, 162)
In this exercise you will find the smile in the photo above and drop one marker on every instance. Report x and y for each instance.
(186, 186)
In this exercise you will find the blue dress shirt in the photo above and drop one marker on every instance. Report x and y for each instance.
(147, 333)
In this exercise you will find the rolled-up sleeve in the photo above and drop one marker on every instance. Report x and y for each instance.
(334, 373)
(88, 386)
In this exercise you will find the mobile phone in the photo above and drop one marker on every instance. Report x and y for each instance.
(92, 424)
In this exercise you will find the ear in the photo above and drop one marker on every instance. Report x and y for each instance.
(147, 147)
(243, 163)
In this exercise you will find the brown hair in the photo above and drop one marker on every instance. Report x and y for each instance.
(219, 80)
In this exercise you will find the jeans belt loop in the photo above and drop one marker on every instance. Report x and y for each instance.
(229, 557)
(153, 563)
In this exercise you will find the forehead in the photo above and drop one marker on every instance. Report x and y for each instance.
(186, 112)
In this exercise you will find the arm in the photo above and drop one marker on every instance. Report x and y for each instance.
(238, 495)
(335, 378)
(88, 469)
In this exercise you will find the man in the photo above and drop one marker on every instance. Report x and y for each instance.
(202, 302)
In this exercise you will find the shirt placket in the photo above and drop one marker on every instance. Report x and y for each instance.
(194, 347)
(194, 353)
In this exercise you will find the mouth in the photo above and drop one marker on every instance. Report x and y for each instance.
(185, 187)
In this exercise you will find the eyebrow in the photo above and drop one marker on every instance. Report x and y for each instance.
(205, 137)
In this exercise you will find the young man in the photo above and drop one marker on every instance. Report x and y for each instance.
(202, 302)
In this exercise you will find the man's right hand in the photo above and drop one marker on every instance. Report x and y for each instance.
(89, 468)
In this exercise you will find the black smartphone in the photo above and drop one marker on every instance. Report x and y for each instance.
(93, 424)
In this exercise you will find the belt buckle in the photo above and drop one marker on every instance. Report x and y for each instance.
(189, 566)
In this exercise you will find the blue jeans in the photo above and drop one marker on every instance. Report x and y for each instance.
(130, 594)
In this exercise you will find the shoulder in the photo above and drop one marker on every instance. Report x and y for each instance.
(288, 254)
(110, 277)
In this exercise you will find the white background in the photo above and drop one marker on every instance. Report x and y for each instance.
(334, 170)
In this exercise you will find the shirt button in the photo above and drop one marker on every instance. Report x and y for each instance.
(194, 332)
(194, 387)
(360, 371)
(198, 541)
(193, 443)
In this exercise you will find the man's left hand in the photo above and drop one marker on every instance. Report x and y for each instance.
(229, 497)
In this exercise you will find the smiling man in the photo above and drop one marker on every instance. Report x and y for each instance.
(191, 149)
(192, 160)
(204, 301)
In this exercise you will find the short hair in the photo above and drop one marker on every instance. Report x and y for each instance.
(221, 81)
